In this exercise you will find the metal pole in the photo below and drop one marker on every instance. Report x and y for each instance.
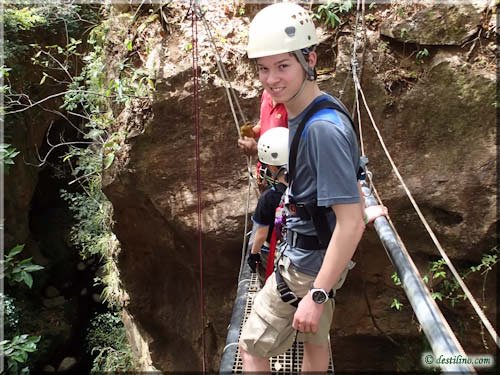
(229, 354)
(439, 334)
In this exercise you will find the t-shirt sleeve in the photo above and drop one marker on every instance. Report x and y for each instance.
(266, 208)
(332, 149)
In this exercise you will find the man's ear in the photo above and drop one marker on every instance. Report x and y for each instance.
(312, 59)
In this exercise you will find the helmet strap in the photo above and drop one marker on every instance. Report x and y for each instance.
(298, 91)
(310, 71)
(270, 177)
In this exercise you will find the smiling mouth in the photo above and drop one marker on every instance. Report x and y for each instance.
(276, 90)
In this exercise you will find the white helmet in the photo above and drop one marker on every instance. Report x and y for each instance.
(273, 147)
(280, 28)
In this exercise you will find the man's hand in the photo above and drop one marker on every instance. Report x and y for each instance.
(253, 260)
(306, 318)
(248, 145)
(372, 212)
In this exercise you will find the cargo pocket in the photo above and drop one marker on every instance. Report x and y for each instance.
(276, 335)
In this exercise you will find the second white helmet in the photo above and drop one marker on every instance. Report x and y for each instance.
(273, 147)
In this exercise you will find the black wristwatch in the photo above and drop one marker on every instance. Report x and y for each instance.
(319, 295)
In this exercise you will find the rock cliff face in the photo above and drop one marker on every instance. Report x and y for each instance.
(436, 114)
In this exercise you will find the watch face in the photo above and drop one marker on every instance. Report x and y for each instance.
(319, 296)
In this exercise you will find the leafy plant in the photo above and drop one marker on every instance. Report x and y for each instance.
(421, 54)
(19, 271)
(330, 12)
(16, 352)
(396, 304)
(395, 279)
(7, 155)
(17, 349)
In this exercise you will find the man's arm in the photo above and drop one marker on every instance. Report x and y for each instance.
(259, 238)
(345, 238)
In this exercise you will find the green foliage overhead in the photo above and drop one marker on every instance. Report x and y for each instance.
(22, 18)
(25, 18)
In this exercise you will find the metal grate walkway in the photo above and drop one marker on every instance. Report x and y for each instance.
(282, 364)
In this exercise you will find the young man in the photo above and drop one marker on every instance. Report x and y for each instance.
(298, 297)
(273, 154)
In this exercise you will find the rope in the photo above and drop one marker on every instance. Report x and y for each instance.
(231, 95)
(464, 287)
(354, 67)
(196, 115)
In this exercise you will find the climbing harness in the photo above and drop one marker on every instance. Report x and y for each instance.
(311, 210)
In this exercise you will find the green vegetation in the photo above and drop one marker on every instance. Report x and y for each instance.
(7, 155)
(23, 16)
(444, 287)
(92, 95)
(107, 343)
(96, 99)
(421, 54)
(396, 304)
(19, 271)
(331, 12)
(16, 352)
(17, 347)
(78, 68)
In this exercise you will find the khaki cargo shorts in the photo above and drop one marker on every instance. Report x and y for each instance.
(268, 330)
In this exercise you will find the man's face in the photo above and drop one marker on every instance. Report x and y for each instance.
(281, 75)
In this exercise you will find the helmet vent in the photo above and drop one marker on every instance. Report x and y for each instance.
(274, 155)
(290, 31)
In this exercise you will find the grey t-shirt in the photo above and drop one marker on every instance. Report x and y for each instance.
(326, 170)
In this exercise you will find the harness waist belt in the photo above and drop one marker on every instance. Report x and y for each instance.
(285, 292)
(295, 239)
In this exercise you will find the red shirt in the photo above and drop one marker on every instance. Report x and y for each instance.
(271, 116)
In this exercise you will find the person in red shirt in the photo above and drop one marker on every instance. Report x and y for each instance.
(272, 115)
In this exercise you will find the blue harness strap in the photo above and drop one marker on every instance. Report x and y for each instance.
(323, 104)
